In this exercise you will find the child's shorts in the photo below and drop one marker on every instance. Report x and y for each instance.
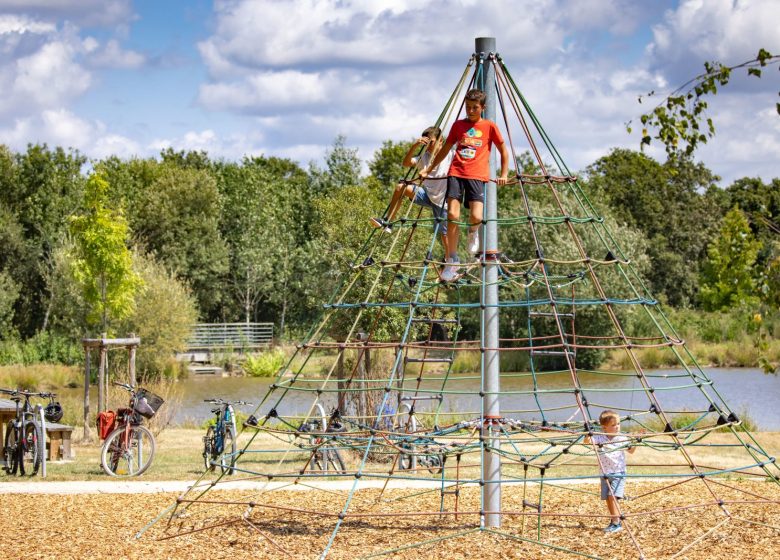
(617, 481)
(470, 190)
(421, 198)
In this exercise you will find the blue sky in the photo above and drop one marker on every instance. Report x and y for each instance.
(278, 77)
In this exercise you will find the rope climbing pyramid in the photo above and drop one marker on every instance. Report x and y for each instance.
(427, 417)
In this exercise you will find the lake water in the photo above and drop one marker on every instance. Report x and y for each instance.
(740, 389)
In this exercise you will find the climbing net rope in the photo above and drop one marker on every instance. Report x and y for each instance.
(381, 409)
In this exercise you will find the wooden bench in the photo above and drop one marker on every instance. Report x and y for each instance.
(58, 445)
(59, 435)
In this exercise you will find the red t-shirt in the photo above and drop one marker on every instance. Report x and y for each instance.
(472, 143)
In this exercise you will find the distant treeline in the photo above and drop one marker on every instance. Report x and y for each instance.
(264, 239)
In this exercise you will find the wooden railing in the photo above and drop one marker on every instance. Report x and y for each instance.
(238, 336)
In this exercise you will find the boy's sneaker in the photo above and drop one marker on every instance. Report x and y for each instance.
(473, 242)
(613, 528)
(380, 223)
(450, 272)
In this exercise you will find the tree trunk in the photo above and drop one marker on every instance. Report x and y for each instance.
(247, 298)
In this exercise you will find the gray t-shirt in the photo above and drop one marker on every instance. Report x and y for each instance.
(436, 183)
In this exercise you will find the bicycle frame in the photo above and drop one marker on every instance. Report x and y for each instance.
(25, 414)
(226, 415)
(222, 434)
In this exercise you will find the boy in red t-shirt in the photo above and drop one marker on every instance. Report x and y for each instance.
(470, 170)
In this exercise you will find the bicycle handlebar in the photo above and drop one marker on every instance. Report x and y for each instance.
(220, 401)
(124, 386)
(28, 393)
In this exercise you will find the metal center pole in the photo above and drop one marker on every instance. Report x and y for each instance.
(491, 464)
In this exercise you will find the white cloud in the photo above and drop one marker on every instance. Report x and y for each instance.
(230, 146)
(113, 56)
(304, 32)
(50, 76)
(729, 31)
(61, 127)
(22, 24)
(83, 12)
(270, 91)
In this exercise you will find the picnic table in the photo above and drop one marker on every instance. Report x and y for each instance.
(58, 435)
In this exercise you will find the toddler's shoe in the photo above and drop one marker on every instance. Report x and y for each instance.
(613, 528)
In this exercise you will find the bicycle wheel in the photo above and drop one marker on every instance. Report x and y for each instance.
(118, 459)
(228, 458)
(32, 453)
(406, 460)
(10, 452)
(208, 448)
(335, 461)
(434, 463)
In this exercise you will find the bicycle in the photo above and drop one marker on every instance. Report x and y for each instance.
(325, 454)
(219, 443)
(129, 448)
(24, 438)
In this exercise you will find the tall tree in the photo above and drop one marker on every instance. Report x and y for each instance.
(386, 165)
(174, 214)
(670, 204)
(103, 263)
(266, 219)
(728, 277)
(342, 168)
(40, 188)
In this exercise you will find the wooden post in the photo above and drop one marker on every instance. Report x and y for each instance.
(102, 376)
(342, 395)
(131, 365)
(362, 376)
(87, 375)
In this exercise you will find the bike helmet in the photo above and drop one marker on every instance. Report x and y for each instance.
(53, 412)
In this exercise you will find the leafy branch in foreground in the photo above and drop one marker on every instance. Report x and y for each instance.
(679, 119)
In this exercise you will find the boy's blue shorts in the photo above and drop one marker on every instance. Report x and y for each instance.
(421, 198)
(617, 481)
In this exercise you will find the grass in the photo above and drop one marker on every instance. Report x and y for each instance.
(689, 420)
(41, 377)
(732, 353)
(178, 457)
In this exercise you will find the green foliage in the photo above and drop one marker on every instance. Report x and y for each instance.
(44, 347)
(173, 209)
(240, 417)
(103, 263)
(727, 276)
(266, 364)
(386, 165)
(39, 189)
(679, 120)
(9, 293)
(665, 203)
(343, 168)
(267, 216)
(165, 313)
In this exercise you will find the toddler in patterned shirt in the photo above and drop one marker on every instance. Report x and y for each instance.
(611, 452)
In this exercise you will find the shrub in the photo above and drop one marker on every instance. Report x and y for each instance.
(44, 347)
(266, 364)
(467, 362)
(164, 315)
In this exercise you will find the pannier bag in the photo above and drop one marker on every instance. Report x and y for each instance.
(106, 421)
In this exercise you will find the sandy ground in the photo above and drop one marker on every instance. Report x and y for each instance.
(287, 524)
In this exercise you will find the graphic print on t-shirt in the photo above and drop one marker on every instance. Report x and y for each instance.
(472, 138)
